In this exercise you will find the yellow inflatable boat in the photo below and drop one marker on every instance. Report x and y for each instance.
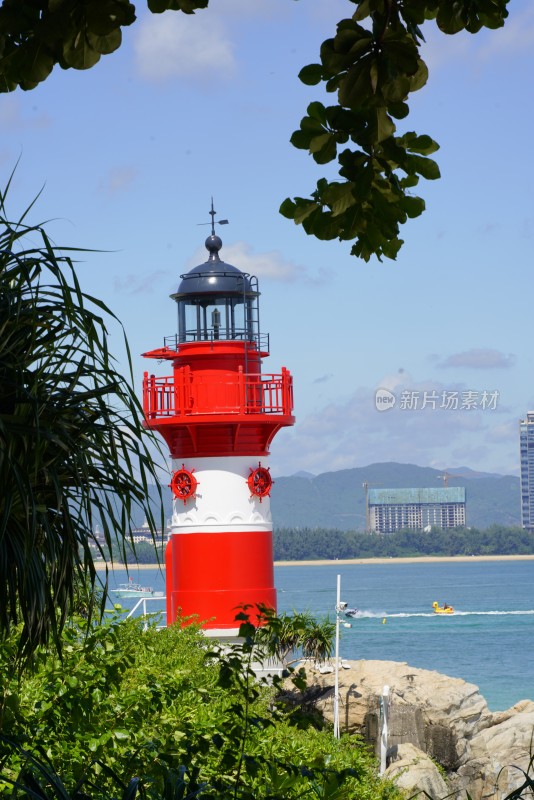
(445, 609)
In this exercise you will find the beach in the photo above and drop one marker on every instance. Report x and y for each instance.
(410, 560)
(101, 566)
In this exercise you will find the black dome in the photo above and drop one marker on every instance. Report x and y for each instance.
(214, 276)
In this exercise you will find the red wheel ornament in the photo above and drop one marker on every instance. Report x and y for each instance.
(260, 482)
(183, 484)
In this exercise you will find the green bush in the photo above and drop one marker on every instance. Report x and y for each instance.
(159, 705)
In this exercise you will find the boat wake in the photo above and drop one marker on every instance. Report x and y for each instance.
(401, 615)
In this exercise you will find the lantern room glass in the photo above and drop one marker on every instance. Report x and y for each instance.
(215, 317)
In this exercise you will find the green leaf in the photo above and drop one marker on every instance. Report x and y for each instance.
(301, 139)
(414, 206)
(317, 111)
(187, 6)
(311, 75)
(303, 210)
(79, 53)
(105, 44)
(385, 127)
(339, 197)
(398, 110)
(323, 148)
(424, 166)
(287, 208)
(373, 74)
(363, 10)
(356, 89)
(451, 17)
(421, 144)
(420, 77)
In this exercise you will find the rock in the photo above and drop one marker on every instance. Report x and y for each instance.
(413, 771)
(499, 754)
(436, 713)
(431, 718)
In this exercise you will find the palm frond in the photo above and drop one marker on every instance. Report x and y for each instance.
(72, 448)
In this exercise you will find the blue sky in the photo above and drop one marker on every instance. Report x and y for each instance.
(129, 153)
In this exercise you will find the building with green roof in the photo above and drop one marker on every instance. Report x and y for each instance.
(390, 510)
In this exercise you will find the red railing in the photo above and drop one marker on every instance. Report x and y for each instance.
(189, 393)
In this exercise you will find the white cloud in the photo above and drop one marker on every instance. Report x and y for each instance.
(353, 433)
(267, 266)
(271, 265)
(479, 358)
(515, 37)
(118, 179)
(139, 284)
(12, 117)
(176, 45)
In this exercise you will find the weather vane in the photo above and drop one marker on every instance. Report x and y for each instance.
(213, 220)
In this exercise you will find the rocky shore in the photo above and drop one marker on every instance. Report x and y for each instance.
(442, 738)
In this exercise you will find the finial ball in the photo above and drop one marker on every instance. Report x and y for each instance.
(213, 243)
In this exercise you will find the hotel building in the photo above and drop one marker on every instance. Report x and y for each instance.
(420, 509)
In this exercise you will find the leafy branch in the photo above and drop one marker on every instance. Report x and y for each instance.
(373, 68)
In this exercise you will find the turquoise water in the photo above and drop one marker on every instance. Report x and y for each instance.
(488, 641)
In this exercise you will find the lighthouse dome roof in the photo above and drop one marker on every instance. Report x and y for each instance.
(214, 276)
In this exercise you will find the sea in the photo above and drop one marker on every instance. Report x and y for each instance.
(488, 641)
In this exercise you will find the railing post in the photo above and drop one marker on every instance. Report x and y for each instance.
(286, 404)
(242, 391)
(153, 397)
(145, 394)
(178, 391)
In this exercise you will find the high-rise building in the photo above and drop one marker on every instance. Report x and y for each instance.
(392, 509)
(526, 446)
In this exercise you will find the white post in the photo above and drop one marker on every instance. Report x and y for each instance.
(384, 709)
(336, 664)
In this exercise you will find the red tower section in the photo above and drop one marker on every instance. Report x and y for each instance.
(218, 414)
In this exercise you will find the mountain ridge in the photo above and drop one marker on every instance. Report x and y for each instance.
(337, 499)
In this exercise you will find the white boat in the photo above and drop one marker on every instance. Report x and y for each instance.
(132, 589)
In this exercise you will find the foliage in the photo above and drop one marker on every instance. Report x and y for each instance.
(188, 721)
(372, 64)
(70, 435)
(526, 788)
(298, 633)
(35, 35)
(373, 68)
(293, 544)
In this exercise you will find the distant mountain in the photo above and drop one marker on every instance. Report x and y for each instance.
(303, 474)
(337, 499)
(466, 472)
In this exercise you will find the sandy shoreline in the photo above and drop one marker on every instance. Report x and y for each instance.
(400, 560)
(343, 561)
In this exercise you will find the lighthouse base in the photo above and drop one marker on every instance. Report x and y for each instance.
(212, 577)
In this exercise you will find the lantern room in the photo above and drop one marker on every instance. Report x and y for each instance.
(217, 302)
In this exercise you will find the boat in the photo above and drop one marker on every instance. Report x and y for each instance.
(132, 589)
(444, 609)
(351, 612)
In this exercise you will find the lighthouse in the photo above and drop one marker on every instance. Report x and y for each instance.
(218, 413)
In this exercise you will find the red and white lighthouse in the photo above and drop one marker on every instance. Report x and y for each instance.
(218, 414)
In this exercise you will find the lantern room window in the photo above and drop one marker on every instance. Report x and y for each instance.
(212, 318)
